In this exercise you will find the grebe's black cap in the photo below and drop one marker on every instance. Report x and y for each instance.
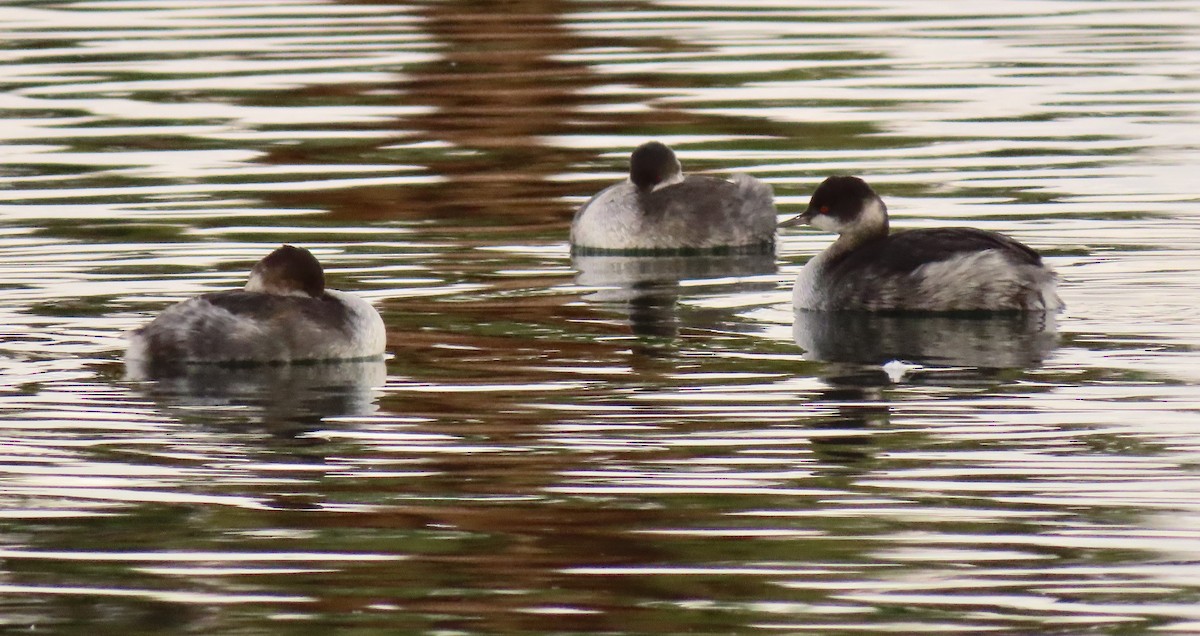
(651, 164)
(292, 267)
(839, 196)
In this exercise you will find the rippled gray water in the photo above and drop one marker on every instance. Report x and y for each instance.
(558, 446)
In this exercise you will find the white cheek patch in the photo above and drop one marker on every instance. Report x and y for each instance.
(260, 284)
(871, 218)
(255, 283)
(826, 223)
(873, 214)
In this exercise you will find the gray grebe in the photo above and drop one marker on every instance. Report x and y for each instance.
(951, 269)
(659, 209)
(284, 314)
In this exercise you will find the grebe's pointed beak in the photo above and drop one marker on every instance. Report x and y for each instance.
(800, 219)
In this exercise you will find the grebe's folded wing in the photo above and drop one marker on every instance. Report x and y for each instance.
(905, 251)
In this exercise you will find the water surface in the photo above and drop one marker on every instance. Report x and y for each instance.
(559, 446)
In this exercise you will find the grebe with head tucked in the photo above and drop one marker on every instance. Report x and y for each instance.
(658, 209)
(284, 314)
(926, 270)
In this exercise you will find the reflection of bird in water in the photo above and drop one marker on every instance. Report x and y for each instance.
(1011, 340)
(653, 309)
(284, 314)
(286, 398)
(659, 209)
(625, 271)
(648, 287)
(865, 352)
(930, 270)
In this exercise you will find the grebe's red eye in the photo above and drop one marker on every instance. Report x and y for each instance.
(824, 209)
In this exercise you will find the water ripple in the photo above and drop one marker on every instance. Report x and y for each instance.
(616, 447)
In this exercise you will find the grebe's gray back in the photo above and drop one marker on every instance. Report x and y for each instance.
(658, 209)
(952, 269)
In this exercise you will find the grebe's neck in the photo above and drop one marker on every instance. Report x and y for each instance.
(869, 225)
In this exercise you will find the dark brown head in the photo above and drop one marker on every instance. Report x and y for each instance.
(652, 164)
(288, 271)
(844, 204)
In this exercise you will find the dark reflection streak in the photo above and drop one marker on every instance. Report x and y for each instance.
(500, 88)
(502, 85)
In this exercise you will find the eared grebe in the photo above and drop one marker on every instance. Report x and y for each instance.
(929, 270)
(284, 314)
(659, 210)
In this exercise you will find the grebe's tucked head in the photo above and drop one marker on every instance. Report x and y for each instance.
(846, 205)
(288, 271)
(653, 165)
